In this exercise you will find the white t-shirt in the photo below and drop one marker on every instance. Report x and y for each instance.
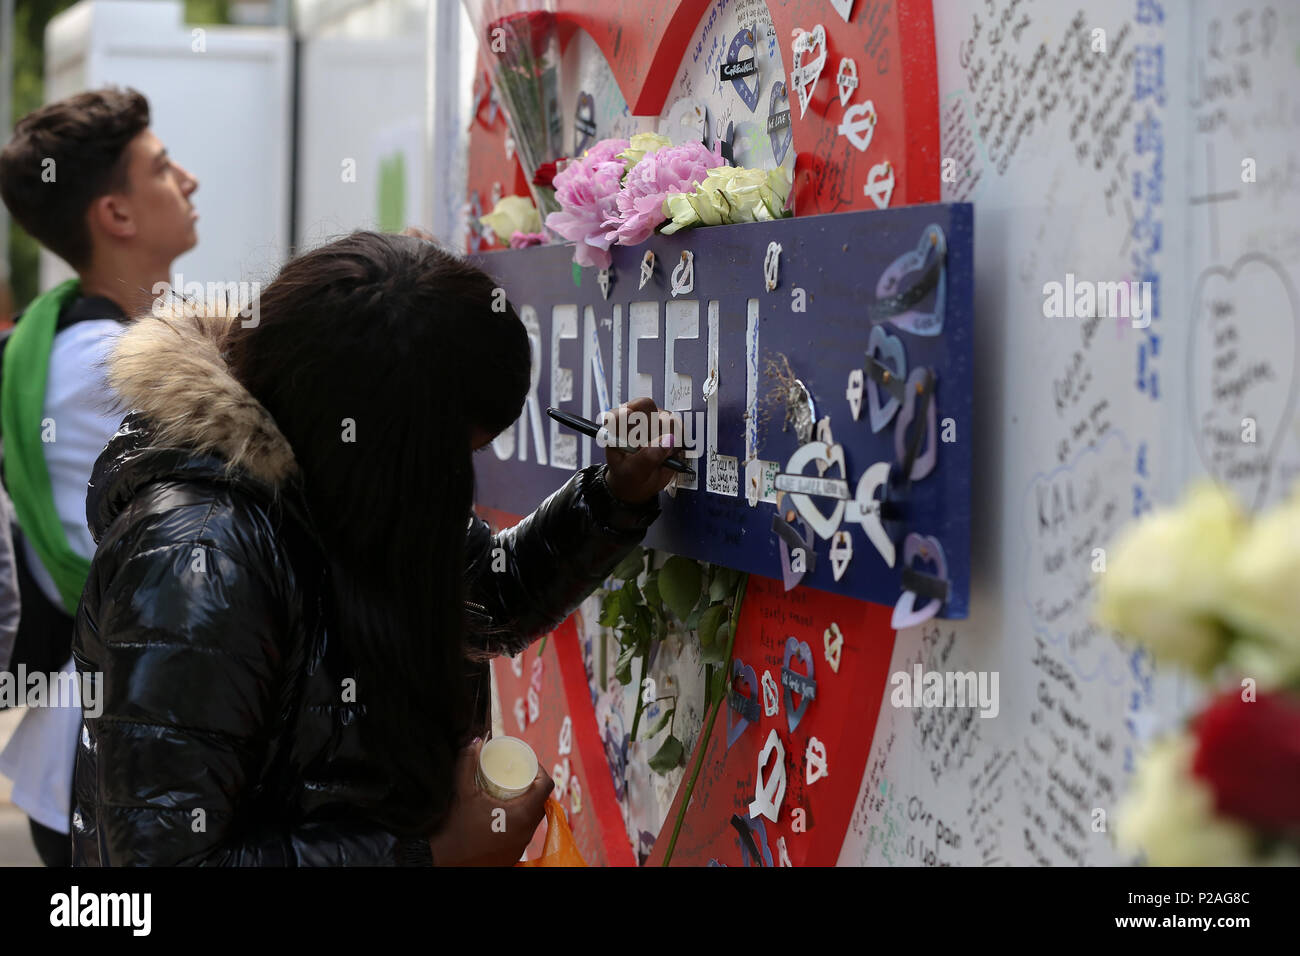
(39, 757)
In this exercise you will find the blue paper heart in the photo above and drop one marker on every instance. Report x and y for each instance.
(931, 253)
(888, 349)
(782, 135)
(735, 723)
(795, 648)
(745, 38)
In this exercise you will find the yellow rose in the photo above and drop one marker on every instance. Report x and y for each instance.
(1262, 597)
(1169, 815)
(1165, 581)
(512, 214)
(639, 145)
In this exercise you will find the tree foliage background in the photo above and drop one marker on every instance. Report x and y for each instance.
(28, 93)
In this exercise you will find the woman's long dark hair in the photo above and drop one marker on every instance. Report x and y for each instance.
(396, 344)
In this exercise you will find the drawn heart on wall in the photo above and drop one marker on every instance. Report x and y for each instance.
(925, 554)
(748, 95)
(779, 133)
(584, 123)
(1256, 371)
(809, 60)
(888, 350)
(926, 458)
(796, 649)
(805, 454)
(736, 723)
(897, 299)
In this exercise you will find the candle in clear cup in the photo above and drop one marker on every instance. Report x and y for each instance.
(507, 767)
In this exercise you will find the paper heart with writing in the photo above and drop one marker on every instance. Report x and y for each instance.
(864, 509)
(814, 761)
(853, 392)
(536, 679)
(520, 715)
(822, 525)
(748, 95)
(779, 132)
(841, 552)
(684, 275)
(888, 350)
(1242, 365)
(517, 664)
(880, 184)
(806, 72)
(769, 791)
(740, 707)
(805, 684)
(534, 705)
(927, 548)
(771, 696)
(560, 774)
(771, 265)
(859, 124)
(925, 459)
(846, 79)
(566, 735)
(834, 642)
(926, 267)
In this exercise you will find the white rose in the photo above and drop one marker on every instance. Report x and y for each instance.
(1262, 598)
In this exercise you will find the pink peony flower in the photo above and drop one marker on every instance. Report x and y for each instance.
(522, 240)
(670, 169)
(587, 190)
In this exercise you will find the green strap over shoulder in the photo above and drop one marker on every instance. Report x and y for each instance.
(22, 405)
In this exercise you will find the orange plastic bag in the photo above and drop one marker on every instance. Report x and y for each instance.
(560, 848)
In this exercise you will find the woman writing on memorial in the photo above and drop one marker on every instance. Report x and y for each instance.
(290, 579)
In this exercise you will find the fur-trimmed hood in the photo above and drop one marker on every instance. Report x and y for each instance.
(173, 372)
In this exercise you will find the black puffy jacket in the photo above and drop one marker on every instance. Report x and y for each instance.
(222, 737)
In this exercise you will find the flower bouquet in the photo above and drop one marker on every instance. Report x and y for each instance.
(1216, 593)
(522, 49)
(620, 191)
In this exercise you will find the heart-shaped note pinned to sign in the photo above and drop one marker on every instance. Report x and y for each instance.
(769, 791)
(926, 268)
(814, 761)
(844, 8)
(684, 275)
(841, 553)
(834, 642)
(771, 697)
(859, 124)
(929, 550)
(854, 393)
(739, 68)
(805, 684)
(779, 133)
(809, 59)
(822, 525)
(584, 123)
(566, 736)
(880, 184)
(864, 509)
(888, 350)
(920, 386)
(847, 79)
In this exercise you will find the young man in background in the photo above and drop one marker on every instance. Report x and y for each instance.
(89, 180)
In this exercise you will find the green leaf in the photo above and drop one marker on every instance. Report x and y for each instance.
(629, 600)
(715, 653)
(644, 625)
(660, 723)
(693, 619)
(609, 608)
(650, 591)
(667, 756)
(709, 622)
(623, 668)
(720, 586)
(679, 583)
(631, 566)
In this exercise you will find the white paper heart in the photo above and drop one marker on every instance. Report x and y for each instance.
(566, 736)
(647, 268)
(864, 509)
(534, 705)
(771, 696)
(536, 679)
(560, 774)
(782, 855)
(822, 525)
(823, 435)
(575, 795)
(517, 664)
(772, 265)
(602, 280)
(769, 791)
(815, 761)
(846, 79)
(854, 392)
(859, 124)
(684, 275)
(844, 8)
(880, 184)
(841, 552)
(520, 716)
(804, 75)
(834, 642)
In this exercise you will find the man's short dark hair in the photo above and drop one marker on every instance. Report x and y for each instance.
(85, 136)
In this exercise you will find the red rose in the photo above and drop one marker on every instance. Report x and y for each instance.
(545, 174)
(1248, 752)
